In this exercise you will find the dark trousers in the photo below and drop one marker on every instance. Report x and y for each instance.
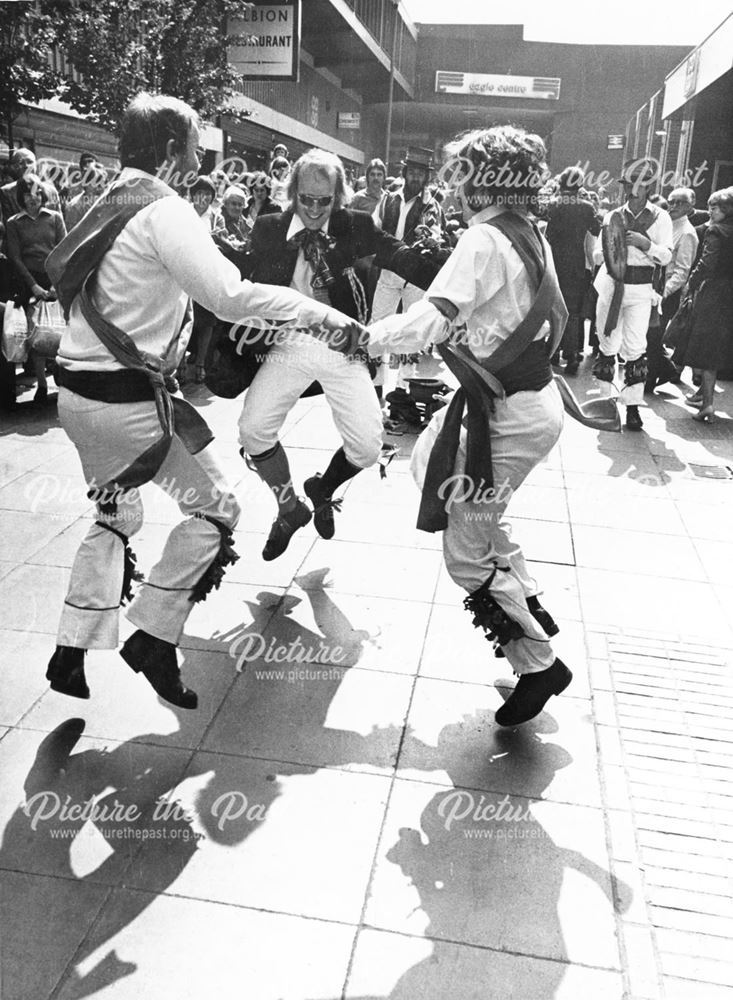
(659, 366)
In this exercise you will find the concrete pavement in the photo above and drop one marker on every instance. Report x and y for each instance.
(356, 826)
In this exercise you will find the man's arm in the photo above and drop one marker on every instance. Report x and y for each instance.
(412, 265)
(190, 256)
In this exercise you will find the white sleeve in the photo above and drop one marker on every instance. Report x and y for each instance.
(408, 332)
(660, 250)
(683, 259)
(474, 272)
(192, 259)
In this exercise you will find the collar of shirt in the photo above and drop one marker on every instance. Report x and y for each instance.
(296, 226)
(485, 214)
(647, 205)
(43, 209)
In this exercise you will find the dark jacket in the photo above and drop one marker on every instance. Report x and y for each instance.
(272, 260)
(711, 337)
(570, 218)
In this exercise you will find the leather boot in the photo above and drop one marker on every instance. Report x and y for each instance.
(156, 660)
(283, 528)
(532, 693)
(66, 672)
(633, 418)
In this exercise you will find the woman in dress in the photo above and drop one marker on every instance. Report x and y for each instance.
(32, 234)
(710, 347)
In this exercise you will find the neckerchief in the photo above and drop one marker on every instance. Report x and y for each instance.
(314, 244)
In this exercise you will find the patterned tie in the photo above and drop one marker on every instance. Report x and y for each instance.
(314, 244)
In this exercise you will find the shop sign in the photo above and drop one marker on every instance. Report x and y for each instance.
(348, 119)
(264, 44)
(491, 85)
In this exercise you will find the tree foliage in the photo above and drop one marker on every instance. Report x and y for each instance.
(119, 47)
(27, 36)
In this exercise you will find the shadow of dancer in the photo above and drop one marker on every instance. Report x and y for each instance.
(52, 834)
(489, 868)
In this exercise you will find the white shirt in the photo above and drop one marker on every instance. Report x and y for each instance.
(160, 258)
(683, 255)
(485, 280)
(660, 234)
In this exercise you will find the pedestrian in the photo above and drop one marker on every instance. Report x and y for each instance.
(710, 347)
(124, 277)
(313, 247)
(32, 234)
(497, 315)
(624, 305)
(660, 368)
(571, 218)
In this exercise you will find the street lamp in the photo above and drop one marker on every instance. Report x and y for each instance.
(395, 6)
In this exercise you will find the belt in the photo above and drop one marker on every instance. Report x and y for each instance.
(123, 386)
(639, 275)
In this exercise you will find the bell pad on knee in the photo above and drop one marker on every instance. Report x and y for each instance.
(636, 371)
(604, 367)
(489, 615)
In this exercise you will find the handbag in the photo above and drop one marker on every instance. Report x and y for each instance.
(15, 333)
(47, 327)
(679, 328)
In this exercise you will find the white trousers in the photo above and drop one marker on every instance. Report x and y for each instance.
(390, 291)
(108, 438)
(288, 370)
(628, 338)
(524, 429)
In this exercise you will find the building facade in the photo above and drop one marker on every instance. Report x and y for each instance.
(686, 123)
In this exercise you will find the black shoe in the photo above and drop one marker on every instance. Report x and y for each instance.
(669, 373)
(571, 368)
(283, 528)
(156, 660)
(649, 388)
(323, 506)
(531, 694)
(40, 396)
(66, 672)
(633, 418)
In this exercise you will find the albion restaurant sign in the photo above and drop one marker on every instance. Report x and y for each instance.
(264, 43)
(489, 85)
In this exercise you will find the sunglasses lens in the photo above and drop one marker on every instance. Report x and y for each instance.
(309, 201)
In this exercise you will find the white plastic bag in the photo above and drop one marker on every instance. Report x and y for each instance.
(47, 327)
(15, 334)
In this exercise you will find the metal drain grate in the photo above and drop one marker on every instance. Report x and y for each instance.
(711, 471)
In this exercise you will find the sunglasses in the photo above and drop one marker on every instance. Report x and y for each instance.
(310, 202)
(676, 202)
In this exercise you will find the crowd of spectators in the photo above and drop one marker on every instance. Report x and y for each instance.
(38, 206)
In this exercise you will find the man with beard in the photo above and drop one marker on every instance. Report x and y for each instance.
(413, 216)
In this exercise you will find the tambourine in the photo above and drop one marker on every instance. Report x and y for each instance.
(613, 241)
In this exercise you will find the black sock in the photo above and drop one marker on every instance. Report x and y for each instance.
(339, 470)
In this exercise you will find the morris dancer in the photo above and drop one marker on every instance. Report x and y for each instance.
(124, 277)
(500, 282)
(623, 310)
(313, 247)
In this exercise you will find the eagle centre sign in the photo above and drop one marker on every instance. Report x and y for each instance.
(264, 44)
(493, 85)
